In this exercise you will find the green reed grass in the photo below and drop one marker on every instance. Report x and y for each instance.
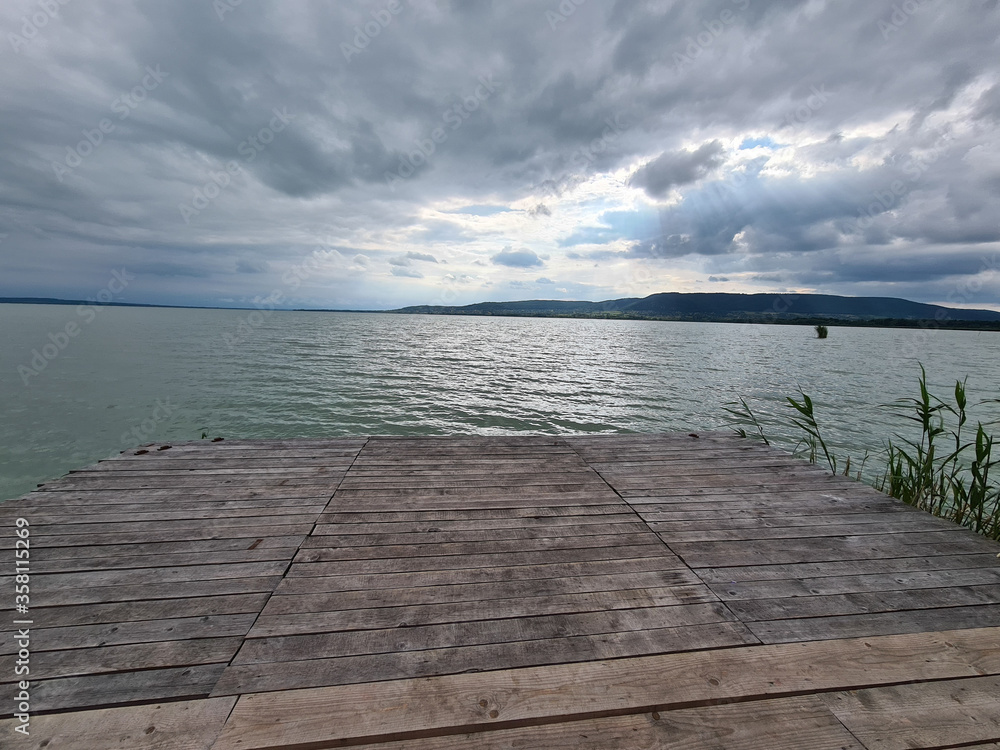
(821, 332)
(946, 471)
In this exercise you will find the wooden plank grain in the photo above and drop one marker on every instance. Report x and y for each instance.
(498, 548)
(136, 611)
(125, 658)
(876, 623)
(308, 595)
(367, 668)
(477, 632)
(138, 631)
(662, 682)
(783, 724)
(621, 564)
(51, 582)
(377, 565)
(186, 725)
(907, 564)
(96, 691)
(860, 603)
(146, 591)
(375, 618)
(861, 583)
(865, 547)
(935, 714)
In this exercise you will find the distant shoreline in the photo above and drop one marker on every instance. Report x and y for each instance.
(749, 318)
(744, 318)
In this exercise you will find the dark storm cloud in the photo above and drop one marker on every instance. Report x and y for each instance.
(677, 168)
(217, 149)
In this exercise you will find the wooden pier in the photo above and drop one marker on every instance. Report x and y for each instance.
(592, 592)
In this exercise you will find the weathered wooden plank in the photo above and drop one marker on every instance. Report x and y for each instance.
(260, 444)
(141, 592)
(860, 603)
(934, 714)
(477, 632)
(666, 522)
(106, 482)
(895, 524)
(116, 688)
(134, 611)
(332, 534)
(113, 562)
(211, 473)
(51, 664)
(655, 485)
(395, 666)
(277, 523)
(540, 513)
(142, 631)
(508, 559)
(865, 547)
(332, 521)
(185, 725)
(498, 491)
(194, 548)
(144, 512)
(165, 535)
(825, 569)
(813, 483)
(876, 623)
(44, 584)
(217, 464)
(308, 595)
(781, 724)
(829, 585)
(568, 691)
(705, 474)
(778, 500)
(520, 467)
(615, 564)
(434, 613)
(58, 498)
(470, 548)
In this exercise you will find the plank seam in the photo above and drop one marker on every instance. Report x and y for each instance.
(629, 505)
(288, 566)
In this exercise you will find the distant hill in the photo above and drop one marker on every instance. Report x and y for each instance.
(725, 307)
(55, 301)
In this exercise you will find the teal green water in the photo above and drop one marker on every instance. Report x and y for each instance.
(137, 375)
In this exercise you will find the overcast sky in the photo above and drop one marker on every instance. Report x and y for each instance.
(393, 152)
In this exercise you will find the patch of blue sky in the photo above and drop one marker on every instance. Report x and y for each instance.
(480, 210)
(764, 142)
(616, 225)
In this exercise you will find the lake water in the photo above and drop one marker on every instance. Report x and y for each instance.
(136, 375)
